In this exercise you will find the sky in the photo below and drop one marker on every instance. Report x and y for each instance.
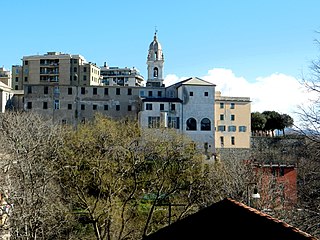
(248, 48)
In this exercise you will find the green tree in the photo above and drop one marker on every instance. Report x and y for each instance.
(273, 121)
(286, 121)
(258, 122)
(110, 170)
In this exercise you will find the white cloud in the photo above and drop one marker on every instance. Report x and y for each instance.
(277, 92)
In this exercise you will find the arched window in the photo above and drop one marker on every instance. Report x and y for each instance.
(191, 124)
(155, 72)
(205, 124)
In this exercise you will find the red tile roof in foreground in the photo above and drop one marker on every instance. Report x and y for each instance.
(229, 219)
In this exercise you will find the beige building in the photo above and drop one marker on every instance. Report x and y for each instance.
(55, 68)
(232, 121)
(74, 104)
(115, 76)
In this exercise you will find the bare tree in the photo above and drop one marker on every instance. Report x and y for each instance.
(29, 147)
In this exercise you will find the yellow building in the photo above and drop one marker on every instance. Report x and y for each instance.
(232, 121)
(55, 68)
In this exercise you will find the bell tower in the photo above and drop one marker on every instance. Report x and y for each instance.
(155, 64)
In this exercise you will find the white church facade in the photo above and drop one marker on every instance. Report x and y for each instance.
(186, 106)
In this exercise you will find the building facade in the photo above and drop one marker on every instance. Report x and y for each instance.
(232, 121)
(5, 89)
(69, 90)
(115, 76)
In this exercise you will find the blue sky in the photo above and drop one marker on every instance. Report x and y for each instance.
(246, 41)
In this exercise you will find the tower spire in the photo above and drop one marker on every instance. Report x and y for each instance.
(155, 63)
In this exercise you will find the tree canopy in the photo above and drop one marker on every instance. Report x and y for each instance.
(268, 121)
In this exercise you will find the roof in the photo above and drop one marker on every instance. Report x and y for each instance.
(194, 81)
(161, 100)
(4, 86)
(155, 45)
(229, 219)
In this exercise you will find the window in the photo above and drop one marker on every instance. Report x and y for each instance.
(206, 94)
(94, 91)
(221, 141)
(75, 78)
(94, 107)
(153, 122)
(221, 128)
(233, 141)
(117, 91)
(29, 89)
(141, 93)
(159, 94)
(56, 90)
(205, 124)
(84, 77)
(26, 62)
(56, 104)
(173, 122)
(232, 105)
(85, 69)
(232, 117)
(106, 107)
(221, 117)
(83, 107)
(155, 72)
(191, 124)
(45, 90)
(16, 87)
(173, 107)
(75, 69)
(232, 128)
(29, 105)
(129, 91)
(69, 91)
(106, 91)
(242, 128)
(221, 105)
(161, 106)
(17, 79)
(45, 105)
(117, 107)
(149, 93)
(191, 94)
(129, 108)
(69, 106)
(83, 90)
(149, 106)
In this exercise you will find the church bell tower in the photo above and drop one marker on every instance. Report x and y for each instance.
(155, 64)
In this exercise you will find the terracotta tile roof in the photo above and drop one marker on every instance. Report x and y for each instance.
(229, 219)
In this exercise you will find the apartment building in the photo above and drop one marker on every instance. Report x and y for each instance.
(78, 104)
(55, 68)
(232, 121)
(115, 76)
